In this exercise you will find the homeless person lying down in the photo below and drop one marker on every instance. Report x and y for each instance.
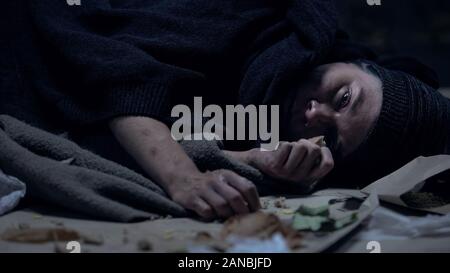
(108, 73)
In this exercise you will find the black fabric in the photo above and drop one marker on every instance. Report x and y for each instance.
(417, 115)
(414, 121)
(412, 67)
(70, 68)
(80, 65)
(346, 49)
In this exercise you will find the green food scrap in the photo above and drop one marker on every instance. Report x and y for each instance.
(305, 222)
(318, 219)
(314, 211)
(287, 211)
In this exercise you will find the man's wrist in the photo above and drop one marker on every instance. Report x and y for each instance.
(246, 157)
(176, 182)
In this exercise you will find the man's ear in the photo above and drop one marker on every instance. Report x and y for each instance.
(413, 67)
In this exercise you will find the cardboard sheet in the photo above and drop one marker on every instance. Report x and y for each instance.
(410, 177)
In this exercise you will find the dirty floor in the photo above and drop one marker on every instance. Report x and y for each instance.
(167, 235)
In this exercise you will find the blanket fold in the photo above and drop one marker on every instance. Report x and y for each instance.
(58, 171)
(89, 184)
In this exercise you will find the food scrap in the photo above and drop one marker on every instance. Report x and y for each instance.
(260, 225)
(125, 236)
(168, 235)
(318, 219)
(265, 204)
(22, 226)
(280, 202)
(37, 216)
(287, 211)
(144, 245)
(319, 140)
(203, 236)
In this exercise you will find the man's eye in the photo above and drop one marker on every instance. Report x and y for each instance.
(345, 99)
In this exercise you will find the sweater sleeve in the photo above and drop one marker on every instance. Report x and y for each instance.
(104, 59)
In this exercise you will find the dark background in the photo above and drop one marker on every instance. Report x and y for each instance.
(418, 28)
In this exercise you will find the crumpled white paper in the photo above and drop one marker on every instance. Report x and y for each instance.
(11, 191)
(389, 225)
(274, 244)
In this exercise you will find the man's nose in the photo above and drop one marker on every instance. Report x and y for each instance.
(318, 114)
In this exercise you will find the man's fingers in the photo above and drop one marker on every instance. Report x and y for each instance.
(203, 209)
(272, 162)
(325, 166)
(234, 198)
(312, 157)
(218, 203)
(296, 156)
(246, 188)
(281, 155)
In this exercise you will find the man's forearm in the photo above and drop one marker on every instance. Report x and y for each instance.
(245, 157)
(150, 143)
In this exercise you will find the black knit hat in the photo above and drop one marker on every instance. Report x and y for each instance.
(414, 120)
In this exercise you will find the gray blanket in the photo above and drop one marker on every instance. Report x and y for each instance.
(59, 172)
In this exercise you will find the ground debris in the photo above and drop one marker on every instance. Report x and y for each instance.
(144, 245)
(286, 211)
(58, 248)
(424, 200)
(260, 225)
(168, 235)
(57, 223)
(206, 239)
(280, 202)
(37, 216)
(125, 236)
(23, 226)
(265, 204)
(43, 235)
(203, 236)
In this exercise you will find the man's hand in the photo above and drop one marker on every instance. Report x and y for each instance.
(302, 161)
(217, 194)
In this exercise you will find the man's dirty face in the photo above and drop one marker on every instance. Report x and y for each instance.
(340, 101)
